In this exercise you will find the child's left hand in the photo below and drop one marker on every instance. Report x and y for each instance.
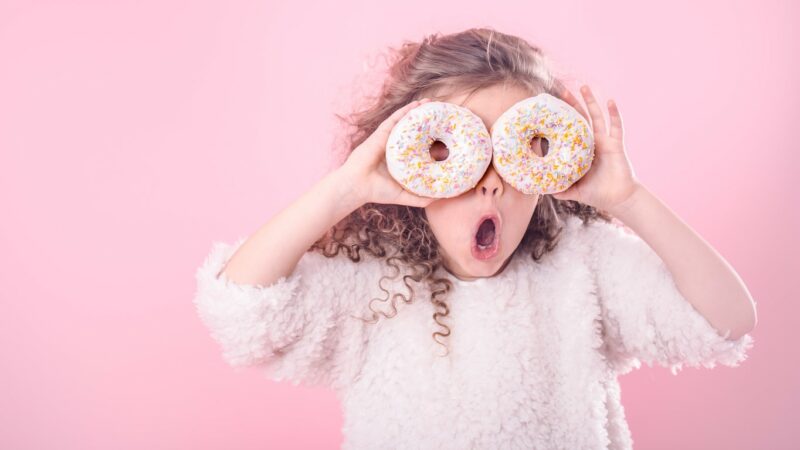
(610, 179)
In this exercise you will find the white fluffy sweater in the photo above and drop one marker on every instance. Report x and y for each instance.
(534, 351)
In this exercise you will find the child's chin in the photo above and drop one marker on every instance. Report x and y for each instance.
(483, 269)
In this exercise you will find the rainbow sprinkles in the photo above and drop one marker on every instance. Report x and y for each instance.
(471, 149)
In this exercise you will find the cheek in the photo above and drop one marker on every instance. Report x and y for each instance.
(518, 217)
(445, 218)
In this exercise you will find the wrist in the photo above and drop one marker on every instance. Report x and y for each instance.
(347, 189)
(625, 207)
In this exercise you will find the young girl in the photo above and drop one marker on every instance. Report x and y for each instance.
(429, 346)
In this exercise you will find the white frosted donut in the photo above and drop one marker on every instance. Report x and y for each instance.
(468, 141)
(570, 152)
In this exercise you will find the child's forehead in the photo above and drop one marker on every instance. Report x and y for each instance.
(488, 103)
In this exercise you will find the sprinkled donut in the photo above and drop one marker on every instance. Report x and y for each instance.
(468, 142)
(571, 145)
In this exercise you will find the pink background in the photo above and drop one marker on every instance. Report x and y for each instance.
(133, 134)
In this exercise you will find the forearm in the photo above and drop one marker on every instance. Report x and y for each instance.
(274, 250)
(702, 276)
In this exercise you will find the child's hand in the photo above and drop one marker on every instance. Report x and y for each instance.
(366, 167)
(610, 180)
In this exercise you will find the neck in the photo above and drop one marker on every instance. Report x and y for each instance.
(502, 268)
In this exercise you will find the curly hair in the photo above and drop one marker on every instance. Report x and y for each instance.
(467, 60)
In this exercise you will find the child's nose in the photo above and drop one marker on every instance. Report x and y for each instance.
(491, 184)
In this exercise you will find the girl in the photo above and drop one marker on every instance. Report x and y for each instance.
(585, 285)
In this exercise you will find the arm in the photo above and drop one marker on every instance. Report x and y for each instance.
(643, 315)
(270, 302)
(285, 313)
(701, 274)
(665, 295)
(704, 278)
(287, 236)
(362, 178)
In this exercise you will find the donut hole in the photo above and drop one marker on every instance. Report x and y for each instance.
(439, 151)
(540, 145)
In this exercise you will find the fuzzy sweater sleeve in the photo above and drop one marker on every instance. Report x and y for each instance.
(644, 315)
(299, 328)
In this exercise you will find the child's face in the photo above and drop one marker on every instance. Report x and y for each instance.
(454, 220)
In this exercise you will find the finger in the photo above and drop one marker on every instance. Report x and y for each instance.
(598, 122)
(616, 120)
(573, 101)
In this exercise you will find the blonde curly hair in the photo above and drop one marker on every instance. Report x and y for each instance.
(463, 61)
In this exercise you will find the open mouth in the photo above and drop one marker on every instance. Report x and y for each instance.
(486, 237)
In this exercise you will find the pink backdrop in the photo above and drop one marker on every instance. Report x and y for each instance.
(133, 133)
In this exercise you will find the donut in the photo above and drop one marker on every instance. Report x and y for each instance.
(468, 142)
(570, 152)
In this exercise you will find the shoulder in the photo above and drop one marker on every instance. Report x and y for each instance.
(339, 268)
(575, 246)
(613, 249)
(594, 243)
(586, 237)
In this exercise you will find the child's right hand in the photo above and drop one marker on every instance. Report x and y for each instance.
(366, 170)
